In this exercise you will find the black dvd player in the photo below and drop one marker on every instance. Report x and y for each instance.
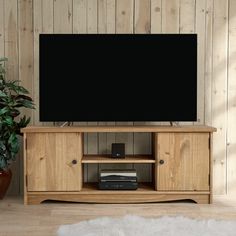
(118, 178)
(118, 185)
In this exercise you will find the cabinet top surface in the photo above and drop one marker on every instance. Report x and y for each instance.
(72, 129)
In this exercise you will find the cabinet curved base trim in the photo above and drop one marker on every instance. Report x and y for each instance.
(121, 198)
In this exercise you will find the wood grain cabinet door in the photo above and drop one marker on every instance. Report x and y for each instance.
(182, 161)
(53, 161)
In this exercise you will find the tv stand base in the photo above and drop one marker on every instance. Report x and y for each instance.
(37, 198)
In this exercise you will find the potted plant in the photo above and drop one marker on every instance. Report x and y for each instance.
(12, 98)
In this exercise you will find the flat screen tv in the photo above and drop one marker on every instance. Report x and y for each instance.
(118, 77)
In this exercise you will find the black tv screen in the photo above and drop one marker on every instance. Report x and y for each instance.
(118, 77)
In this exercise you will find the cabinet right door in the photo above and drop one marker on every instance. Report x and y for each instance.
(183, 161)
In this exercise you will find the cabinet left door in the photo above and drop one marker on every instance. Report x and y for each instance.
(53, 161)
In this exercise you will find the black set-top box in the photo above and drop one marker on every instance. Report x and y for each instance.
(118, 179)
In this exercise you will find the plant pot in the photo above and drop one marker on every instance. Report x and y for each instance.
(5, 180)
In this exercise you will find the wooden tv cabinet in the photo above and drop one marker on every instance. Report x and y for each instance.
(181, 159)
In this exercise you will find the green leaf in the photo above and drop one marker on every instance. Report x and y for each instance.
(2, 94)
(13, 143)
(24, 122)
(13, 85)
(9, 120)
(21, 89)
(27, 104)
(19, 97)
(15, 81)
(4, 110)
(12, 138)
(27, 121)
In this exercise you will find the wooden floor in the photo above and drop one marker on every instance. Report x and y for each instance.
(43, 220)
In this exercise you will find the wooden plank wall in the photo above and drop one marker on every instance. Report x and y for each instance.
(21, 22)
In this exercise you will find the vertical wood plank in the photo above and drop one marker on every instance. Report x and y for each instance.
(102, 140)
(11, 39)
(170, 16)
(142, 144)
(111, 138)
(12, 73)
(106, 16)
(80, 16)
(62, 16)
(219, 93)
(124, 16)
(47, 16)
(102, 16)
(92, 9)
(156, 16)
(187, 16)
(200, 30)
(208, 61)
(142, 17)
(102, 146)
(111, 16)
(231, 126)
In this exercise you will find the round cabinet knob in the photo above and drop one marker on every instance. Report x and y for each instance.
(74, 162)
(161, 162)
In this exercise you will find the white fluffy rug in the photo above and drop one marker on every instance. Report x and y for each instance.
(139, 226)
